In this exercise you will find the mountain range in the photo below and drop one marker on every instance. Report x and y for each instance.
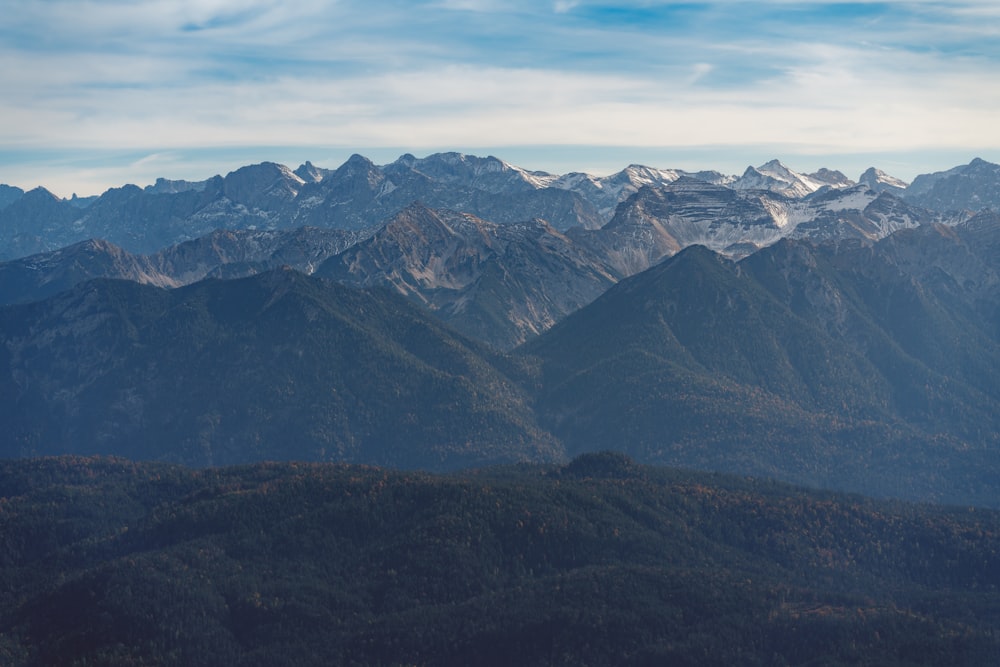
(360, 194)
(265, 216)
(802, 327)
(851, 364)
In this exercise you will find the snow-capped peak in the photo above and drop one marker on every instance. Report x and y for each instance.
(776, 177)
(880, 181)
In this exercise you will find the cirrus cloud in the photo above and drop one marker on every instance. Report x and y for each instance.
(119, 78)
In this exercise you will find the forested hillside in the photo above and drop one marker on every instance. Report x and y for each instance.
(598, 562)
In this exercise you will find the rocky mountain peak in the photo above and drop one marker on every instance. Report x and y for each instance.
(9, 194)
(38, 194)
(167, 186)
(971, 187)
(832, 177)
(880, 181)
(358, 169)
(310, 173)
(265, 185)
(489, 174)
(778, 178)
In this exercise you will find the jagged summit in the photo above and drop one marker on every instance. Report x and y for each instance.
(310, 173)
(490, 174)
(778, 178)
(880, 181)
(832, 178)
(360, 194)
(972, 187)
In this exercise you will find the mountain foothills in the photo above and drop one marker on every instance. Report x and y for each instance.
(597, 562)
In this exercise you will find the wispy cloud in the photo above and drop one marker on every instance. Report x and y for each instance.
(169, 76)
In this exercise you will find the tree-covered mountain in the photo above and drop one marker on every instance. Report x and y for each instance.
(598, 562)
(866, 367)
(278, 366)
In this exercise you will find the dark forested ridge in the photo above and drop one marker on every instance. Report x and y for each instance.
(277, 366)
(871, 368)
(600, 561)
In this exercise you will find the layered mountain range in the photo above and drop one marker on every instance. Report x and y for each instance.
(276, 366)
(859, 365)
(540, 340)
(803, 327)
(360, 194)
(525, 256)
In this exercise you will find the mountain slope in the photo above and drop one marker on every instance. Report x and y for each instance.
(497, 283)
(822, 365)
(242, 252)
(9, 195)
(657, 222)
(280, 365)
(223, 253)
(974, 187)
(39, 276)
(33, 222)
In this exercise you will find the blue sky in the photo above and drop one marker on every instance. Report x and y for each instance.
(98, 93)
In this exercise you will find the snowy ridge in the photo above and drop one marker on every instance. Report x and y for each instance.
(607, 192)
(360, 194)
(778, 178)
(878, 180)
(657, 222)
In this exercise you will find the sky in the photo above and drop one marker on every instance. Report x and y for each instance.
(99, 93)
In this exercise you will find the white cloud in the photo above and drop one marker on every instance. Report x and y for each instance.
(163, 76)
(563, 6)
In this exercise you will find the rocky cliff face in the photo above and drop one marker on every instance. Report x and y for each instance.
(501, 283)
(221, 254)
(972, 187)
